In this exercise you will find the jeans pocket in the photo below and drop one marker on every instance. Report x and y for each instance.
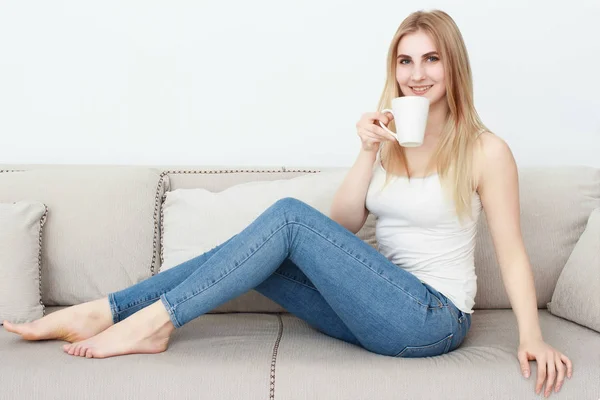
(435, 349)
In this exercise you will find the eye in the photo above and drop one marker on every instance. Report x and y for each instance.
(432, 58)
(402, 61)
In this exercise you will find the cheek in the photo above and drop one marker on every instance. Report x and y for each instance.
(437, 73)
(402, 76)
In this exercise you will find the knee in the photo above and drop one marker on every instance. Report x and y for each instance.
(288, 208)
(289, 203)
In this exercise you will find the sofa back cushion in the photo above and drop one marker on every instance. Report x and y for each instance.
(101, 233)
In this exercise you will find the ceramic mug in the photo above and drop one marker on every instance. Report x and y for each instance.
(410, 115)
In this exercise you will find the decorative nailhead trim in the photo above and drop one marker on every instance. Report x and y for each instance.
(162, 222)
(162, 182)
(42, 222)
(159, 201)
(274, 358)
(12, 170)
(233, 171)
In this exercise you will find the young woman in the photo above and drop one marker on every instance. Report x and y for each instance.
(413, 297)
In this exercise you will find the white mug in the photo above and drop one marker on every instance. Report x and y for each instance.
(410, 114)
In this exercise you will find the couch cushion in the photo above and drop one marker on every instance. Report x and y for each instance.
(577, 293)
(239, 356)
(21, 242)
(555, 205)
(311, 365)
(101, 228)
(194, 221)
(213, 357)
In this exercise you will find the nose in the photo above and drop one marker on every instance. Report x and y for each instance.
(418, 73)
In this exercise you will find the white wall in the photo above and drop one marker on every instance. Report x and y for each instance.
(272, 82)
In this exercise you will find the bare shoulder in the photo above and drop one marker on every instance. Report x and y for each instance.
(491, 153)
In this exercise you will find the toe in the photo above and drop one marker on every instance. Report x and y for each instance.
(88, 353)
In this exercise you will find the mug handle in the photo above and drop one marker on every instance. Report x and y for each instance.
(385, 127)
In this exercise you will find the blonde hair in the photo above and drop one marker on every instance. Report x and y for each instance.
(454, 153)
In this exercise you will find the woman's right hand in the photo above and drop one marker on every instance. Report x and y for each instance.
(369, 131)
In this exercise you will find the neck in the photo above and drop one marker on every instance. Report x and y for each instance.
(436, 120)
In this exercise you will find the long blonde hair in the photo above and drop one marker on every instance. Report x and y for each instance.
(454, 154)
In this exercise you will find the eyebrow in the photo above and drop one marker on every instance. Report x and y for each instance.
(424, 55)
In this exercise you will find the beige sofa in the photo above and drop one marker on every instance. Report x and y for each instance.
(103, 233)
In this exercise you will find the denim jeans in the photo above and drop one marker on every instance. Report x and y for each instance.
(317, 270)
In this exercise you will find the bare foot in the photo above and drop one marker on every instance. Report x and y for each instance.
(145, 332)
(72, 324)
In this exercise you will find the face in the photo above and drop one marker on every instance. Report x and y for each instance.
(419, 70)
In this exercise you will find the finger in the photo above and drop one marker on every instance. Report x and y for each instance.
(566, 360)
(382, 117)
(560, 367)
(368, 135)
(368, 118)
(389, 115)
(381, 133)
(551, 374)
(369, 138)
(541, 373)
(524, 364)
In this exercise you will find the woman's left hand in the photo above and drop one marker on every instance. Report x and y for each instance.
(551, 363)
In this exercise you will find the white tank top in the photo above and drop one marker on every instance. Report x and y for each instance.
(418, 230)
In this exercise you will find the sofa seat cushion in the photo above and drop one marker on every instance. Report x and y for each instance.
(485, 366)
(239, 355)
(220, 356)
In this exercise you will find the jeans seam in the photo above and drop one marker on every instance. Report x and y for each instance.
(295, 281)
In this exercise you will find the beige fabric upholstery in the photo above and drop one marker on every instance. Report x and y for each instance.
(100, 233)
(21, 233)
(577, 293)
(238, 356)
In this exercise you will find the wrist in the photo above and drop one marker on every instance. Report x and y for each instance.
(368, 154)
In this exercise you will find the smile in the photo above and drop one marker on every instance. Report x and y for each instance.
(420, 89)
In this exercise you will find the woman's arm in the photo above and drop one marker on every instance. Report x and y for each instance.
(498, 187)
(499, 192)
(348, 207)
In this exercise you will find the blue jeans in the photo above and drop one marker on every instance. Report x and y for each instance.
(317, 270)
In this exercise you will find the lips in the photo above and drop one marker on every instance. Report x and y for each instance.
(419, 90)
